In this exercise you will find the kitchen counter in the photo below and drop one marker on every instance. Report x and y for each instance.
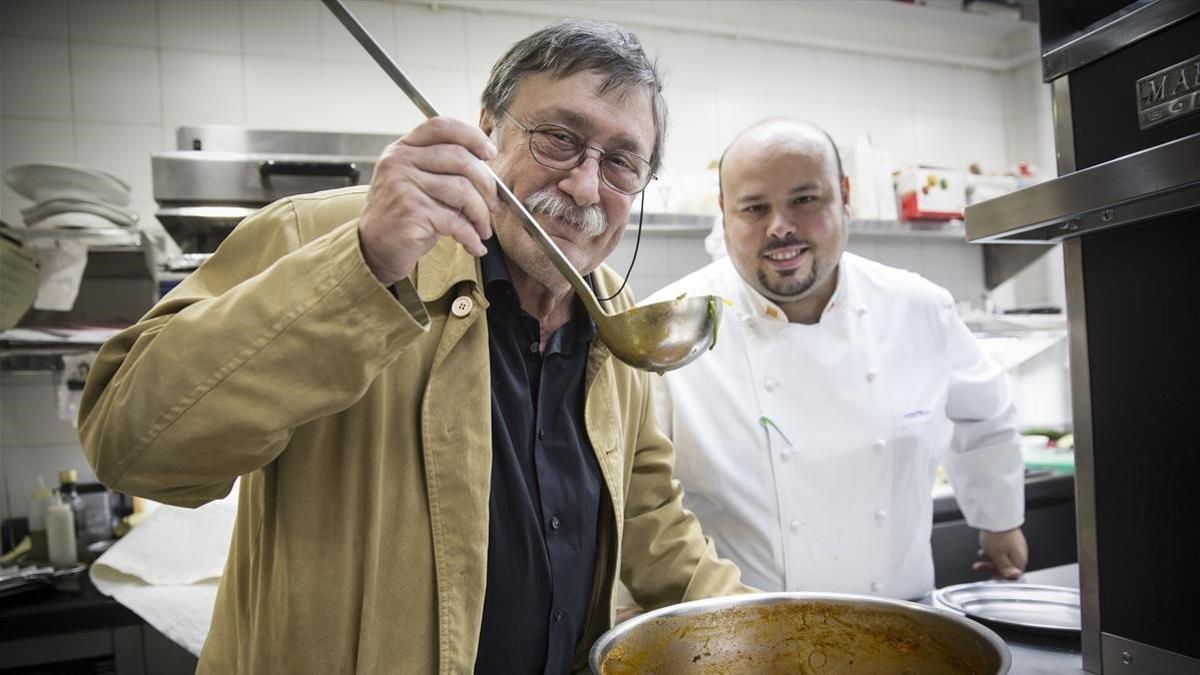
(72, 604)
(72, 626)
(1049, 528)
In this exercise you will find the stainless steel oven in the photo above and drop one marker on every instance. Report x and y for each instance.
(218, 175)
(1126, 91)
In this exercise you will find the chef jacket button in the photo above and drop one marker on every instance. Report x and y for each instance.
(862, 311)
(880, 515)
(795, 526)
(876, 586)
(555, 523)
(462, 306)
(871, 375)
(558, 616)
(770, 384)
(541, 433)
(879, 445)
(534, 347)
(785, 454)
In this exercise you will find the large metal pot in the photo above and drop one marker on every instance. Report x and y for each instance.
(810, 633)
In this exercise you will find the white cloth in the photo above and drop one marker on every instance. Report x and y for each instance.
(167, 569)
(809, 451)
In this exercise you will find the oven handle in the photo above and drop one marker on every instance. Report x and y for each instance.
(275, 167)
(1151, 183)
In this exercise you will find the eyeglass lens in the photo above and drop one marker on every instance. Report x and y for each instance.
(560, 148)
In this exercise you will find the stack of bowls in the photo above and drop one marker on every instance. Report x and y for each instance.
(70, 196)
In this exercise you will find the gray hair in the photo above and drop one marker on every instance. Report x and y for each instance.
(572, 45)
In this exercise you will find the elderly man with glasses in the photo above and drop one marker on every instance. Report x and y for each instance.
(442, 468)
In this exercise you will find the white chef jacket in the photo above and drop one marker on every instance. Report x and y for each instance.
(809, 451)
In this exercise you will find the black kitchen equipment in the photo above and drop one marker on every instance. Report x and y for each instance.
(1126, 92)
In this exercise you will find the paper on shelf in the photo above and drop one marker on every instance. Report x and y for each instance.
(60, 269)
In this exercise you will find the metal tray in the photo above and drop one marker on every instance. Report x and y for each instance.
(1029, 607)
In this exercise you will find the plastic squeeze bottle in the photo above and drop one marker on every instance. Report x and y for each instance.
(60, 533)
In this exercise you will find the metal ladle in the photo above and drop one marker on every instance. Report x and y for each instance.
(657, 337)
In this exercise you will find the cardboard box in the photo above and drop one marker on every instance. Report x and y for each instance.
(931, 193)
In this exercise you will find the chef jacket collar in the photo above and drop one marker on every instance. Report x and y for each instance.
(755, 306)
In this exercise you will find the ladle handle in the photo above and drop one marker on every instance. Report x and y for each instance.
(531, 226)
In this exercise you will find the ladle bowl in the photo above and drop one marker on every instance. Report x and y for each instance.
(657, 337)
(663, 335)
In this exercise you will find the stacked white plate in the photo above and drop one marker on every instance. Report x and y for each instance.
(70, 196)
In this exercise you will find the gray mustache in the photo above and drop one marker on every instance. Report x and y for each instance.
(590, 220)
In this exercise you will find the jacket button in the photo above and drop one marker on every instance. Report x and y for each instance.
(558, 616)
(555, 523)
(880, 515)
(876, 587)
(871, 375)
(785, 454)
(462, 306)
(795, 526)
(879, 445)
(770, 384)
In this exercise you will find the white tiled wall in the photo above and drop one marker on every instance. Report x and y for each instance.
(145, 67)
(106, 83)
(33, 440)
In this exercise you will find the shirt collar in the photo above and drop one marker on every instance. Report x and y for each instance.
(500, 291)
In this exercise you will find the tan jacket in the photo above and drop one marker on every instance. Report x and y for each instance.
(360, 421)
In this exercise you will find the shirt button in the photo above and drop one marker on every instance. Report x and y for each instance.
(770, 384)
(785, 454)
(879, 445)
(541, 433)
(862, 311)
(880, 515)
(534, 347)
(876, 586)
(558, 616)
(871, 375)
(795, 526)
(462, 306)
(554, 523)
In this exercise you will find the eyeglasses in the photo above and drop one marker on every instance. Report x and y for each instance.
(558, 147)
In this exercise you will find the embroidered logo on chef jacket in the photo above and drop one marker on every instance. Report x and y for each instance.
(914, 418)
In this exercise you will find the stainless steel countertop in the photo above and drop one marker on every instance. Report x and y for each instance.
(1034, 654)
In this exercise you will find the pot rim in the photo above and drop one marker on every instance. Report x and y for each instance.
(600, 647)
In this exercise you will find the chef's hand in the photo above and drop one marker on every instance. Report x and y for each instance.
(1004, 554)
(427, 185)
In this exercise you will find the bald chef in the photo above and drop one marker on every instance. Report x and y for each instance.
(808, 439)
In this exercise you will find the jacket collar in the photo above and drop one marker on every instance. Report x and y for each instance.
(447, 265)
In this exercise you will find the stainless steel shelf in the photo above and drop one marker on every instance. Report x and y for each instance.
(1151, 183)
(1137, 21)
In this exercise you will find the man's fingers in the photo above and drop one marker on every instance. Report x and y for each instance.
(438, 130)
(456, 160)
(451, 223)
(457, 193)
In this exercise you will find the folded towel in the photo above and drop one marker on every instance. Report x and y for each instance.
(166, 570)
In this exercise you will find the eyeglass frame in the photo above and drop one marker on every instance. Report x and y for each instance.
(583, 148)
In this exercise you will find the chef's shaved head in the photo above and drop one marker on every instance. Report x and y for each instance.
(786, 206)
(770, 133)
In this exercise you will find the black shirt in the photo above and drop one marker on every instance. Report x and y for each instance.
(545, 497)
